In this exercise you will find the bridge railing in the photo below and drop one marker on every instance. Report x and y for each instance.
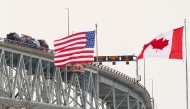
(120, 74)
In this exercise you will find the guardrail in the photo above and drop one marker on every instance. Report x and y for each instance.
(120, 74)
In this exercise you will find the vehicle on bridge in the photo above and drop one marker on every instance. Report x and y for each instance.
(13, 37)
(28, 41)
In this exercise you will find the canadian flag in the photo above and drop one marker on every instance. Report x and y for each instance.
(166, 45)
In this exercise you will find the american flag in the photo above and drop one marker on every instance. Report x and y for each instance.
(75, 48)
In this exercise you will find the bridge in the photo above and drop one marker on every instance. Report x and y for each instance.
(28, 79)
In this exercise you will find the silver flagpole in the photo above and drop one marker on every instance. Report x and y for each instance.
(65, 75)
(186, 64)
(97, 94)
(144, 72)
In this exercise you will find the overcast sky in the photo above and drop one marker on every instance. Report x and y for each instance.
(124, 26)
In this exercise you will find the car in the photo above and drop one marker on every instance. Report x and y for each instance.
(13, 37)
(26, 40)
(36, 43)
(44, 45)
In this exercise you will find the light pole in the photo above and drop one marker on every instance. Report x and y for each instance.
(137, 75)
(152, 93)
(152, 87)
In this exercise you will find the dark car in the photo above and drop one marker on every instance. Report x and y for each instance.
(44, 45)
(13, 37)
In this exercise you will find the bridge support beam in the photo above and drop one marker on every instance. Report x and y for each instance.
(114, 102)
(128, 102)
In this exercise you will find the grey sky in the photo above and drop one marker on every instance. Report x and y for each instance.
(123, 27)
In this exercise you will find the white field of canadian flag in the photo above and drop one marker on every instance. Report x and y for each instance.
(166, 45)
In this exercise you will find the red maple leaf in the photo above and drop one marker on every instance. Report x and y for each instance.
(159, 44)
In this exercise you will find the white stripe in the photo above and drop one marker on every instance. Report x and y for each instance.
(70, 38)
(75, 55)
(69, 43)
(74, 60)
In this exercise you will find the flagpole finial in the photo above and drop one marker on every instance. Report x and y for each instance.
(184, 20)
(96, 24)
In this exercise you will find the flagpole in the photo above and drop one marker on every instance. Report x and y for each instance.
(186, 64)
(97, 94)
(144, 72)
(68, 19)
(66, 65)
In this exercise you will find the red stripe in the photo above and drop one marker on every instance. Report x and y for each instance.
(71, 58)
(177, 43)
(82, 62)
(78, 62)
(70, 54)
(69, 49)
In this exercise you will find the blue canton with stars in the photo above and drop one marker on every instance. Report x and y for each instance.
(90, 39)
